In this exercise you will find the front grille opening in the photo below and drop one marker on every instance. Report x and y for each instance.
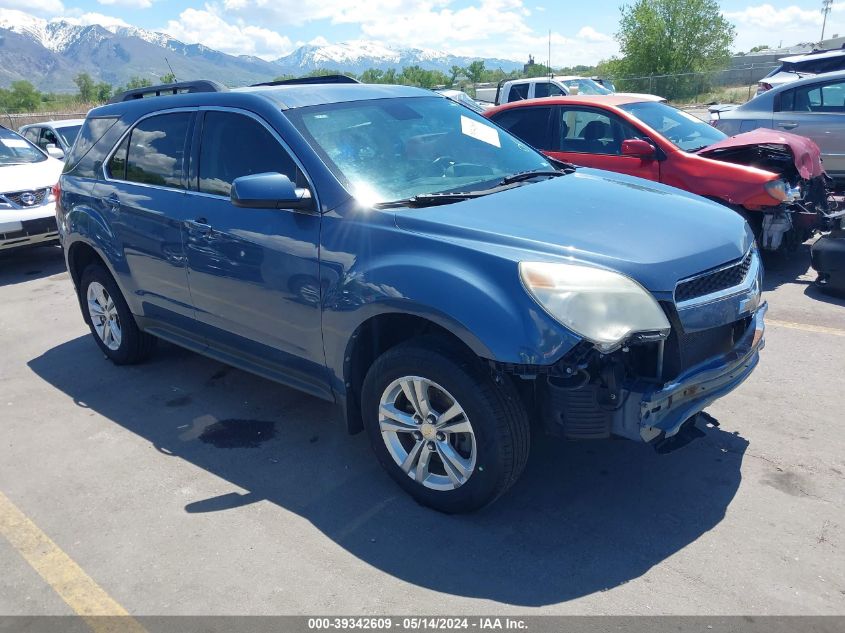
(715, 281)
(36, 197)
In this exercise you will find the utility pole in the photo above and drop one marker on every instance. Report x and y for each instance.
(826, 6)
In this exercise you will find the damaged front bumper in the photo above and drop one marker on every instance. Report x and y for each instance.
(663, 412)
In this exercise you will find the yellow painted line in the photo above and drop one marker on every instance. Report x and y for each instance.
(64, 576)
(821, 329)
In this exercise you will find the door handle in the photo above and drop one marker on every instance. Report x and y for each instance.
(788, 125)
(113, 202)
(200, 225)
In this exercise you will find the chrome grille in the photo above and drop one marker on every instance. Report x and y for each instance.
(714, 281)
(30, 198)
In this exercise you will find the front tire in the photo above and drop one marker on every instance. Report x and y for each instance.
(445, 430)
(110, 320)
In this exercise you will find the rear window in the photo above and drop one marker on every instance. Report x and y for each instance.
(92, 131)
(529, 124)
(518, 92)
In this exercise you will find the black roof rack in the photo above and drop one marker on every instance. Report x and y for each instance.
(181, 87)
(322, 79)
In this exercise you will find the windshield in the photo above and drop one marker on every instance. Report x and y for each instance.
(391, 149)
(685, 131)
(587, 87)
(16, 150)
(68, 133)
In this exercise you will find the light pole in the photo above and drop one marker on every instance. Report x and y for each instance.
(826, 5)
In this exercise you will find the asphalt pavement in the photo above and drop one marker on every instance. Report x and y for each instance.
(183, 486)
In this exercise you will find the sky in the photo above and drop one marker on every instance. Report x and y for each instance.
(581, 32)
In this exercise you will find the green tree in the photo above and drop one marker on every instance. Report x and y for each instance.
(21, 97)
(168, 78)
(760, 47)
(103, 92)
(670, 37)
(137, 82)
(87, 87)
(475, 71)
(372, 76)
(455, 72)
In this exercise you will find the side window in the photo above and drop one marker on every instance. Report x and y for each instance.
(529, 124)
(156, 150)
(48, 137)
(547, 89)
(32, 134)
(825, 98)
(116, 168)
(591, 132)
(235, 145)
(518, 92)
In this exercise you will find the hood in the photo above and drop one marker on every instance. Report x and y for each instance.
(805, 153)
(30, 175)
(650, 232)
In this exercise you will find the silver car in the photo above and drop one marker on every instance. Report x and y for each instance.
(812, 107)
(54, 137)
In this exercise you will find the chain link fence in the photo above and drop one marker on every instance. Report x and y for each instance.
(733, 85)
(15, 121)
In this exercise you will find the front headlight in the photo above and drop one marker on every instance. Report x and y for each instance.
(782, 191)
(602, 306)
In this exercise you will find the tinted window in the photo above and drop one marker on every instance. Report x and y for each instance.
(157, 150)
(547, 90)
(117, 165)
(518, 92)
(92, 131)
(68, 133)
(235, 145)
(529, 124)
(826, 98)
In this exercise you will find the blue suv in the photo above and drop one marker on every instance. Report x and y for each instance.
(389, 250)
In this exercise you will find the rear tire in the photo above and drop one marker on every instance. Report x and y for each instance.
(474, 442)
(108, 317)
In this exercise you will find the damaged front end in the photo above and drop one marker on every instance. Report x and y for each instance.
(798, 200)
(653, 386)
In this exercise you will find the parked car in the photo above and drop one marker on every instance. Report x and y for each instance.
(509, 91)
(393, 252)
(54, 137)
(812, 107)
(775, 180)
(798, 67)
(27, 205)
(459, 96)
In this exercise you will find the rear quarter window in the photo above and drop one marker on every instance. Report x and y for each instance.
(92, 131)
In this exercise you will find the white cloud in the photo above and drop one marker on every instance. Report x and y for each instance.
(591, 35)
(206, 26)
(87, 19)
(765, 24)
(134, 4)
(47, 8)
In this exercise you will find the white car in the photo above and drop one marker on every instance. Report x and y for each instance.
(54, 137)
(798, 67)
(27, 205)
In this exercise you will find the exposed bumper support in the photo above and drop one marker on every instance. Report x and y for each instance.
(663, 412)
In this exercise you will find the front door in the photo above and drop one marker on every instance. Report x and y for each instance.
(254, 273)
(593, 138)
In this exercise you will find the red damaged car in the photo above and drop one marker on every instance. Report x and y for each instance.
(774, 179)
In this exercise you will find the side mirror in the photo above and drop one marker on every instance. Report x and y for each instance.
(270, 190)
(54, 151)
(638, 148)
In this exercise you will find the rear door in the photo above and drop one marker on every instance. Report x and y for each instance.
(817, 111)
(593, 138)
(532, 124)
(254, 273)
(143, 200)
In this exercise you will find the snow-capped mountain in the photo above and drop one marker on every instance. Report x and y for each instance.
(359, 55)
(50, 53)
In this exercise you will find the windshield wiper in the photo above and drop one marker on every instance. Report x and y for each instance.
(528, 175)
(434, 199)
